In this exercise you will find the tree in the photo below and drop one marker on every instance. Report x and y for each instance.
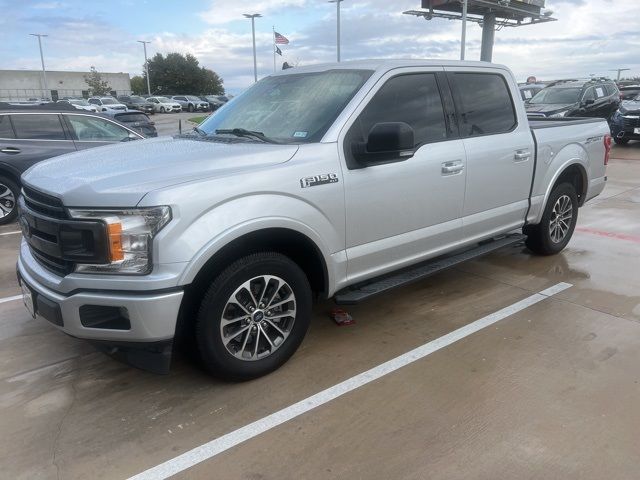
(138, 85)
(182, 74)
(97, 86)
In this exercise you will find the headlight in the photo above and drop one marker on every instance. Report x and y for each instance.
(559, 114)
(129, 238)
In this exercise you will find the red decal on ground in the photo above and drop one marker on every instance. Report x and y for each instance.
(617, 236)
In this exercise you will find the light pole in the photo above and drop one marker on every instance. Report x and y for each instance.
(337, 2)
(146, 64)
(619, 70)
(253, 17)
(44, 73)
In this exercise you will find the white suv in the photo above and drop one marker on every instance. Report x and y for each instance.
(164, 105)
(105, 104)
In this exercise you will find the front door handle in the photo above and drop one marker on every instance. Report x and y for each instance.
(10, 150)
(450, 168)
(522, 155)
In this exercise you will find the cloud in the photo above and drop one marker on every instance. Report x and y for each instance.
(225, 11)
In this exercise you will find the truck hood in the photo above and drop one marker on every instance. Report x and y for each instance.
(120, 175)
(548, 108)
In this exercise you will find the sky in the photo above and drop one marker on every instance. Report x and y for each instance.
(590, 36)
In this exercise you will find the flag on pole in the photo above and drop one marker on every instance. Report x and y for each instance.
(281, 39)
(278, 51)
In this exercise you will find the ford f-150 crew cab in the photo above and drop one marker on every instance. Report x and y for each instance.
(342, 180)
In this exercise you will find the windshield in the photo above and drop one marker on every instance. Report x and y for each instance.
(164, 100)
(192, 97)
(290, 108)
(557, 95)
(78, 102)
(135, 99)
(108, 101)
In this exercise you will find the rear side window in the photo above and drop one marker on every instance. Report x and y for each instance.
(5, 127)
(484, 103)
(38, 127)
(412, 99)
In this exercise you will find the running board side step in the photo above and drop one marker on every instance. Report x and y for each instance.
(363, 291)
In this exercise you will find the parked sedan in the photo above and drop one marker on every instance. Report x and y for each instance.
(30, 134)
(135, 102)
(191, 103)
(215, 101)
(135, 120)
(80, 104)
(164, 105)
(105, 104)
(625, 123)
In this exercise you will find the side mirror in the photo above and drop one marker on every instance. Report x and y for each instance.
(132, 136)
(387, 142)
(589, 101)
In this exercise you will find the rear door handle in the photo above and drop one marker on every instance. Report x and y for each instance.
(10, 150)
(522, 155)
(450, 168)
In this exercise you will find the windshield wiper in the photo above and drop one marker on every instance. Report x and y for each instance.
(243, 132)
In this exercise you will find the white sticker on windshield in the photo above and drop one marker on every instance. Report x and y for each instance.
(300, 134)
(599, 92)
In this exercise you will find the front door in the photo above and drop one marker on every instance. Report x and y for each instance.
(401, 212)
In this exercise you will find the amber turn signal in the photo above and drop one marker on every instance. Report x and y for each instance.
(115, 241)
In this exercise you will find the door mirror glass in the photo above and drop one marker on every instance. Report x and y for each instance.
(386, 142)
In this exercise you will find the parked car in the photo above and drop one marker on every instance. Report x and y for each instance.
(625, 123)
(529, 90)
(191, 103)
(215, 101)
(105, 104)
(30, 134)
(576, 98)
(340, 180)
(628, 92)
(164, 105)
(135, 120)
(135, 102)
(79, 104)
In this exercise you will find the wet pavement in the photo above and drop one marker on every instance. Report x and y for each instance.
(552, 391)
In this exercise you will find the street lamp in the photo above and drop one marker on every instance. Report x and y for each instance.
(463, 37)
(146, 64)
(44, 73)
(619, 70)
(253, 17)
(337, 2)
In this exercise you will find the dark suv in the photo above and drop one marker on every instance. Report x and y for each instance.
(576, 98)
(625, 123)
(136, 102)
(29, 134)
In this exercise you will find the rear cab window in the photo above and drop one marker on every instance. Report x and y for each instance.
(38, 127)
(484, 103)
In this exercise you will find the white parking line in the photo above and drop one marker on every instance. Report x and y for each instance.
(10, 299)
(221, 444)
(9, 233)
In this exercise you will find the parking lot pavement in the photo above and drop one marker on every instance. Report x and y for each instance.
(168, 123)
(549, 391)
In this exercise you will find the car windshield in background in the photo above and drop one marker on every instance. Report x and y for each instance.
(164, 100)
(79, 102)
(557, 95)
(135, 99)
(290, 108)
(128, 118)
(108, 101)
(193, 98)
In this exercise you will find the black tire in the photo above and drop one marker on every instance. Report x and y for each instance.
(9, 192)
(620, 141)
(539, 238)
(190, 108)
(217, 359)
(162, 110)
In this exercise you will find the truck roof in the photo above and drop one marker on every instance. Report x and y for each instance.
(387, 64)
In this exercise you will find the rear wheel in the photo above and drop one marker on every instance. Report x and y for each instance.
(253, 317)
(559, 220)
(9, 192)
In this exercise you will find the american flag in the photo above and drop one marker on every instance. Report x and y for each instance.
(281, 39)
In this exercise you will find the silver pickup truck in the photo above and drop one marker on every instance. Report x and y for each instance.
(343, 180)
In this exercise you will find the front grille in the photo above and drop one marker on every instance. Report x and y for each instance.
(43, 203)
(56, 241)
(630, 123)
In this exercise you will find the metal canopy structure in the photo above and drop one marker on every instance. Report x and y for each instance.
(490, 14)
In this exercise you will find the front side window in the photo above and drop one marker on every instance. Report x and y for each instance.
(6, 131)
(412, 99)
(589, 94)
(38, 127)
(484, 104)
(290, 108)
(96, 129)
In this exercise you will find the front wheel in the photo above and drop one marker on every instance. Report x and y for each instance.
(559, 220)
(162, 110)
(253, 317)
(190, 108)
(9, 193)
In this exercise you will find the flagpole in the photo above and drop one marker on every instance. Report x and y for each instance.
(274, 49)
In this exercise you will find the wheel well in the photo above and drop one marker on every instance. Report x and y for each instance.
(10, 175)
(576, 176)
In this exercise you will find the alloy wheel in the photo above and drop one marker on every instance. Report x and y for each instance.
(561, 218)
(7, 201)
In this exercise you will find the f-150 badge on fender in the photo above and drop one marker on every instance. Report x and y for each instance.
(316, 180)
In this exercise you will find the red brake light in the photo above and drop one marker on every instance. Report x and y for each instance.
(607, 148)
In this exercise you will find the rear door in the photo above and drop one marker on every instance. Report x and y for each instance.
(89, 131)
(38, 136)
(499, 151)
